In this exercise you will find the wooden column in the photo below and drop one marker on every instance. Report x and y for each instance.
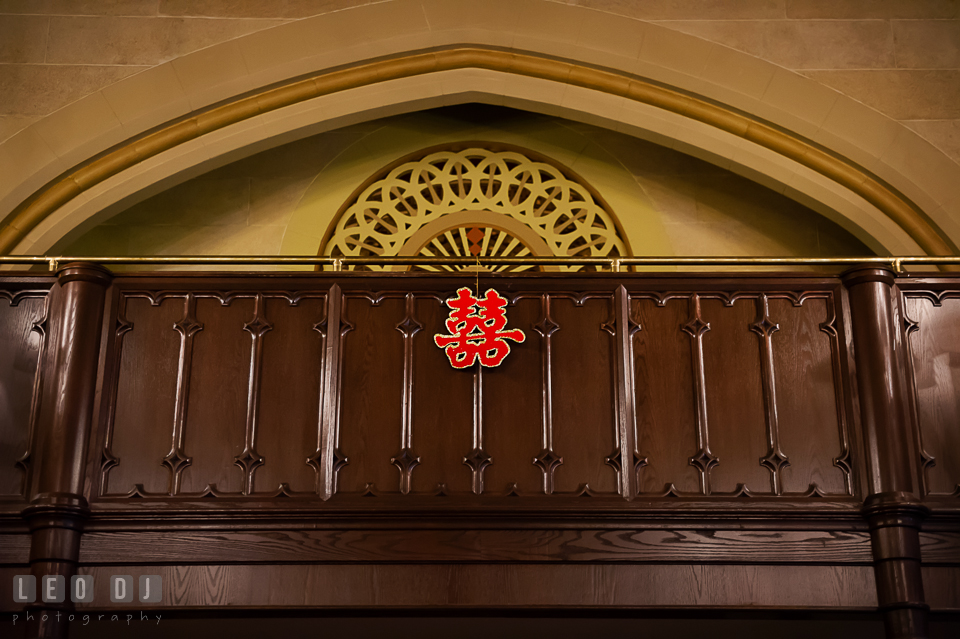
(57, 507)
(892, 505)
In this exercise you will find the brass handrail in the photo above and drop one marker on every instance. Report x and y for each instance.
(614, 264)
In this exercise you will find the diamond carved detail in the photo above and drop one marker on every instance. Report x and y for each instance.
(696, 327)
(258, 326)
(775, 461)
(409, 326)
(406, 461)
(249, 460)
(610, 326)
(546, 327)
(477, 459)
(764, 327)
(175, 460)
(321, 327)
(339, 460)
(548, 461)
(188, 326)
(704, 460)
(615, 460)
(639, 462)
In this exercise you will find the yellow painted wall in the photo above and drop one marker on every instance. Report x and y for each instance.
(282, 201)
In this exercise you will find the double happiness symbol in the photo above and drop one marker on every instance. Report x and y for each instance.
(476, 327)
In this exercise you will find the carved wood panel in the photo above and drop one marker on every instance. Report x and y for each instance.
(23, 329)
(932, 327)
(216, 393)
(516, 394)
(372, 428)
(289, 402)
(739, 394)
(247, 393)
(443, 430)
(584, 421)
(150, 355)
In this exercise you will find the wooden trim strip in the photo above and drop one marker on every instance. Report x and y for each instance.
(499, 545)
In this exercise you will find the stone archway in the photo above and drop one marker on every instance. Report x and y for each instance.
(54, 184)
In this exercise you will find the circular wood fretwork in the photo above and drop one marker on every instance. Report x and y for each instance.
(475, 202)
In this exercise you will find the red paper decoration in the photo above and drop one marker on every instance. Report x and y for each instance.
(476, 330)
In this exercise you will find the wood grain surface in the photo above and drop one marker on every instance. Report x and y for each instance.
(648, 546)
(502, 586)
(273, 441)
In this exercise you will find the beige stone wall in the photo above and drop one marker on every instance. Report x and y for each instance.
(901, 57)
(251, 206)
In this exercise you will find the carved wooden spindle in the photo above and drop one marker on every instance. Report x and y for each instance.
(703, 459)
(188, 326)
(40, 327)
(328, 459)
(547, 460)
(58, 509)
(249, 460)
(477, 459)
(329, 329)
(625, 459)
(892, 508)
(842, 461)
(774, 460)
(406, 460)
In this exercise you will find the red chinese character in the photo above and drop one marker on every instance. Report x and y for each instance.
(477, 333)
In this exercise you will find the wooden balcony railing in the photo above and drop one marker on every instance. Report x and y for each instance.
(304, 426)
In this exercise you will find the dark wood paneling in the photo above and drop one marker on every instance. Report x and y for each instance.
(232, 383)
(737, 430)
(809, 427)
(289, 410)
(372, 395)
(665, 397)
(941, 585)
(22, 332)
(933, 328)
(549, 411)
(471, 545)
(14, 549)
(146, 394)
(504, 586)
(444, 407)
(217, 414)
(584, 426)
(940, 547)
(513, 407)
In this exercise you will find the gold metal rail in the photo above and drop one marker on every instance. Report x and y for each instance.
(614, 264)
